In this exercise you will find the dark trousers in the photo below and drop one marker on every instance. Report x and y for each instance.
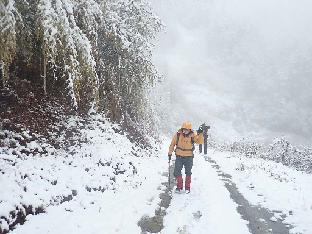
(187, 162)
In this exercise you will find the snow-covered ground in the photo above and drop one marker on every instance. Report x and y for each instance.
(105, 185)
(271, 185)
(109, 184)
(114, 211)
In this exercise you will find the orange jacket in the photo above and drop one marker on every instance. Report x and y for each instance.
(184, 147)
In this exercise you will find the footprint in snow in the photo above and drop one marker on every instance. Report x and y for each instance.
(197, 215)
(183, 230)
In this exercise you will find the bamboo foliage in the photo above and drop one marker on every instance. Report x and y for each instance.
(8, 17)
(97, 52)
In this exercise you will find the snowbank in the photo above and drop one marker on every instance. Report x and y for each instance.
(70, 185)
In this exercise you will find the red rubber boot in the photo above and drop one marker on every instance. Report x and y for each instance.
(179, 184)
(188, 184)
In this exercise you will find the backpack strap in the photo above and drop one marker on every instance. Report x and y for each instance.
(193, 146)
(178, 137)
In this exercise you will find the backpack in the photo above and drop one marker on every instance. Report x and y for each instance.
(192, 140)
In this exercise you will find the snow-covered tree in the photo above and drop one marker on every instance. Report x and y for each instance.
(67, 49)
(129, 26)
(97, 53)
(8, 15)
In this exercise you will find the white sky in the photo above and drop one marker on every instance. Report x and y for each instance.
(244, 66)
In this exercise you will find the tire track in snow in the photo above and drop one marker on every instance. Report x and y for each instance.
(260, 219)
(156, 223)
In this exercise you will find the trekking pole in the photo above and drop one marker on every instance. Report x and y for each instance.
(169, 173)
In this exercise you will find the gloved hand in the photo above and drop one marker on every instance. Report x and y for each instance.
(200, 130)
(169, 157)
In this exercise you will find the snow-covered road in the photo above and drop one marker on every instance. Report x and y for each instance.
(207, 209)
(232, 193)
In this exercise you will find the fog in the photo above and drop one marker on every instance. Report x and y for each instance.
(242, 66)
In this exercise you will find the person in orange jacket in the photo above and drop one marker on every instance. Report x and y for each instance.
(183, 145)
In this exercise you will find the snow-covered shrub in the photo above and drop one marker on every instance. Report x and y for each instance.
(280, 150)
(284, 152)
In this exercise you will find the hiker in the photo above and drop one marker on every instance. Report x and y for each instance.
(183, 146)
